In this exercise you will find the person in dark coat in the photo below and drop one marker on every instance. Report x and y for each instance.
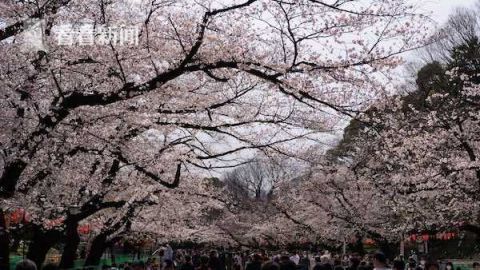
(286, 263)
(326, 265)
(196, 259)
(270, 265)
(337, 265)
(255, 264)
(203, 263)
(353, 263)
(26, 265)
(214, 261)
(399, 265)
(304, 263)
(318, 264)
(187, 265)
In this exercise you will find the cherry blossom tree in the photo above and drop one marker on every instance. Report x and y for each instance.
(427, 158)
(410, 163)
(54, 110)
(206, 83)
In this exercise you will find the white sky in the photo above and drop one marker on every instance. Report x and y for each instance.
(440, 9)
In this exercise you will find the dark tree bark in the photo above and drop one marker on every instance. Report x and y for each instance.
(102, 241)
(8, 181)
(72, 240)
(11, 30)
(4, 243)
(42, 242)
(50, 8)
(99, 245)
(112, 255)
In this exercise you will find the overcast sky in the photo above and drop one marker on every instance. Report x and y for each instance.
(440, 9)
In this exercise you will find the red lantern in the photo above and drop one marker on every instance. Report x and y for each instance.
(17, 216)
(84, 229)
(414, 237)
(370, 241)
(425, 237)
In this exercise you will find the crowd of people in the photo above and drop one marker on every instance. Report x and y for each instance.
(167, 259)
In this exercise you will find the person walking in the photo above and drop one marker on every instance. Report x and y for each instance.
(187, 264)
(318, 264)
(286, 263)
(26, 265)
(256, 263)
(379, 261)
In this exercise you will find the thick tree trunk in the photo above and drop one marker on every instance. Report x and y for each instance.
(41, 243)
(4, 243)
(112, 255)
(99, 245)
(9, 178)
(72, 240)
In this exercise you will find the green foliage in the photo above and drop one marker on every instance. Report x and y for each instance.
(466, 57)
(433, 78)
(466, 62)
(345, 147)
